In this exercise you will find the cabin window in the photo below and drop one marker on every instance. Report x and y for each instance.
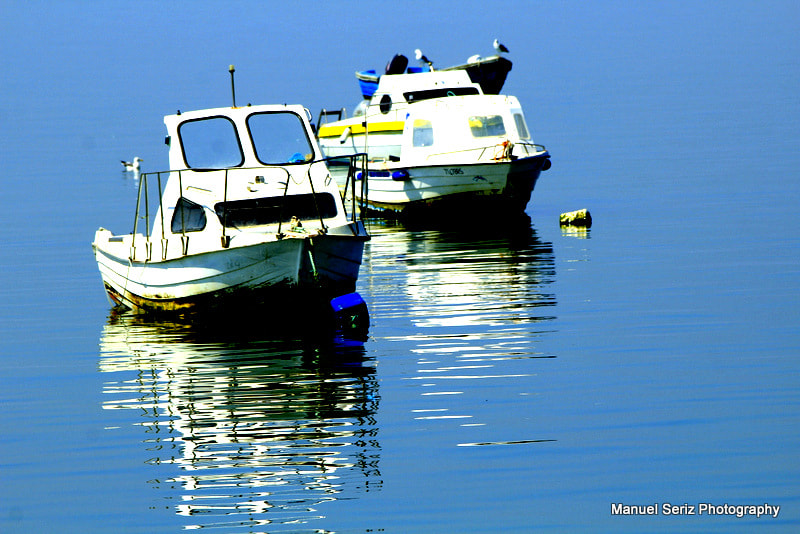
(487, 126)
(271, 210)
(522, 128)
(423, 133)
(443, 92)
(385, 104)
(210, 143)
(188, 217)
(279, 138)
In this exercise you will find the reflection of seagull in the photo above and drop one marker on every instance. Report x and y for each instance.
(132, 166)
(499, 47)
(422, 59)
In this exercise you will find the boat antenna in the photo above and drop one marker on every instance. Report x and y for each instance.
(233, 90)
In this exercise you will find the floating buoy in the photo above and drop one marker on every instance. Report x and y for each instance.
(350, 314)
(576, 218)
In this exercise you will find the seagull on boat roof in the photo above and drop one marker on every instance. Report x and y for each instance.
(132, 166)
(499, 47)
(422, 59)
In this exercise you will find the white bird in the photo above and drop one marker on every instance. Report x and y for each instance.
(134, 167)
(422, 59)
(500, 47)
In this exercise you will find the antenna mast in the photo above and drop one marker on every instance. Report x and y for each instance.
(233, 90)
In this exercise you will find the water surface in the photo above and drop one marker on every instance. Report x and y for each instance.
(517, 376)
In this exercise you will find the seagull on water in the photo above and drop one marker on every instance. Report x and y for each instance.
(499, 47)
(132, 167)
(422, 59)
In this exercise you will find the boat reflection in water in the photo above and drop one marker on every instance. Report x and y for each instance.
(248, 429)
(463, 278)
(475, 305)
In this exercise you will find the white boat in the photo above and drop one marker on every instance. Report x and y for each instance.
(436, 139)
(248, 214)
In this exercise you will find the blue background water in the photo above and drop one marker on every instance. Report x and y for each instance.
(515, 378)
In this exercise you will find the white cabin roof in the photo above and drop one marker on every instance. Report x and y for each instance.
(172, 121)
(402, 83)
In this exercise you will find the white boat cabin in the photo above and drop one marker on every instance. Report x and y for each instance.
(428, 118)
(243, 170)
(238, 176)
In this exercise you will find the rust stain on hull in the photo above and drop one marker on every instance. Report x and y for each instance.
(240, 299)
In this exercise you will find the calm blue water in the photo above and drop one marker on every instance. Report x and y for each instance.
(516, 377)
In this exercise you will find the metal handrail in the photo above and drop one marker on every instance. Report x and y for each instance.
(324, 113)
(538, 148)
(350, 182)
(144, 188)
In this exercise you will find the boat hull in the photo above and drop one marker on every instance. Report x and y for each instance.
(317, 267)
(453, 189)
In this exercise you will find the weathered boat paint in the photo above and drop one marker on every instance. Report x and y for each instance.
(246, 233)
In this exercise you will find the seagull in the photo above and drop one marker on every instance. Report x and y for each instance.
(500, 47)
(422, 59)
(134, 167)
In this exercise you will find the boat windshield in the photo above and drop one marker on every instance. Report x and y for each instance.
(279, 138)
(210, 143)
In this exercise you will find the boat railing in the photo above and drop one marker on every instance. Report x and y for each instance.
(144, 193)
(356, 164)
(493, 152)
(506, 150)
(148, 203)
(481, 150)
(340, 114)
(531, 149)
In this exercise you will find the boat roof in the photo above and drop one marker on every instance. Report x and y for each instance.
(232, 112)
(488, 72)
(403, 83)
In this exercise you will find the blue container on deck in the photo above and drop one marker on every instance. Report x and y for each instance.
(350, 313)
(368, 81)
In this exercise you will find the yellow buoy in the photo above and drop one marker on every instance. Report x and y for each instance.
(576, 218)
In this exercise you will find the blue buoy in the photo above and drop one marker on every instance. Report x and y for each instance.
(350, 313)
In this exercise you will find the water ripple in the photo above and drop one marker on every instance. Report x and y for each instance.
(467, 309)
(253, 432)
